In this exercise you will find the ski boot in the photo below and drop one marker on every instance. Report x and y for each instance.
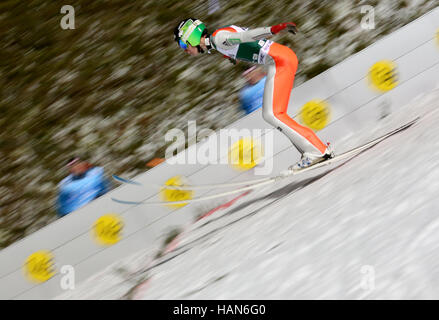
(308, 160)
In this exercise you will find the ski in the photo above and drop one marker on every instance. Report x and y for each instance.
(127, 181)
(189, 186)
(265, 181)
(358, 149)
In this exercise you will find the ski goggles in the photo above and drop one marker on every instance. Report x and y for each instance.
(182, 45)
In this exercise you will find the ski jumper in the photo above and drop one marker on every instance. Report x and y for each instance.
(238, 43)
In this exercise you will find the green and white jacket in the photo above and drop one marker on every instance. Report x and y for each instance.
(239, 43)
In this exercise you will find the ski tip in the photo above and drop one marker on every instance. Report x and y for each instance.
(120, 179)
(126, 202)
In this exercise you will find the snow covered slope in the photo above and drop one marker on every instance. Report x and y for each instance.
(365, 229)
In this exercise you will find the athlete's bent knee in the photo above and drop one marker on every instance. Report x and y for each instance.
(269, 117)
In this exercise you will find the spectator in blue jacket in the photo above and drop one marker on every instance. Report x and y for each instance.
(251, 96)
(84, 184)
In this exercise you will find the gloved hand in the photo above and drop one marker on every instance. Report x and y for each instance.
(290, 26)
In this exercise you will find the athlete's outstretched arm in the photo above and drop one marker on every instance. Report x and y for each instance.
(226, 38)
